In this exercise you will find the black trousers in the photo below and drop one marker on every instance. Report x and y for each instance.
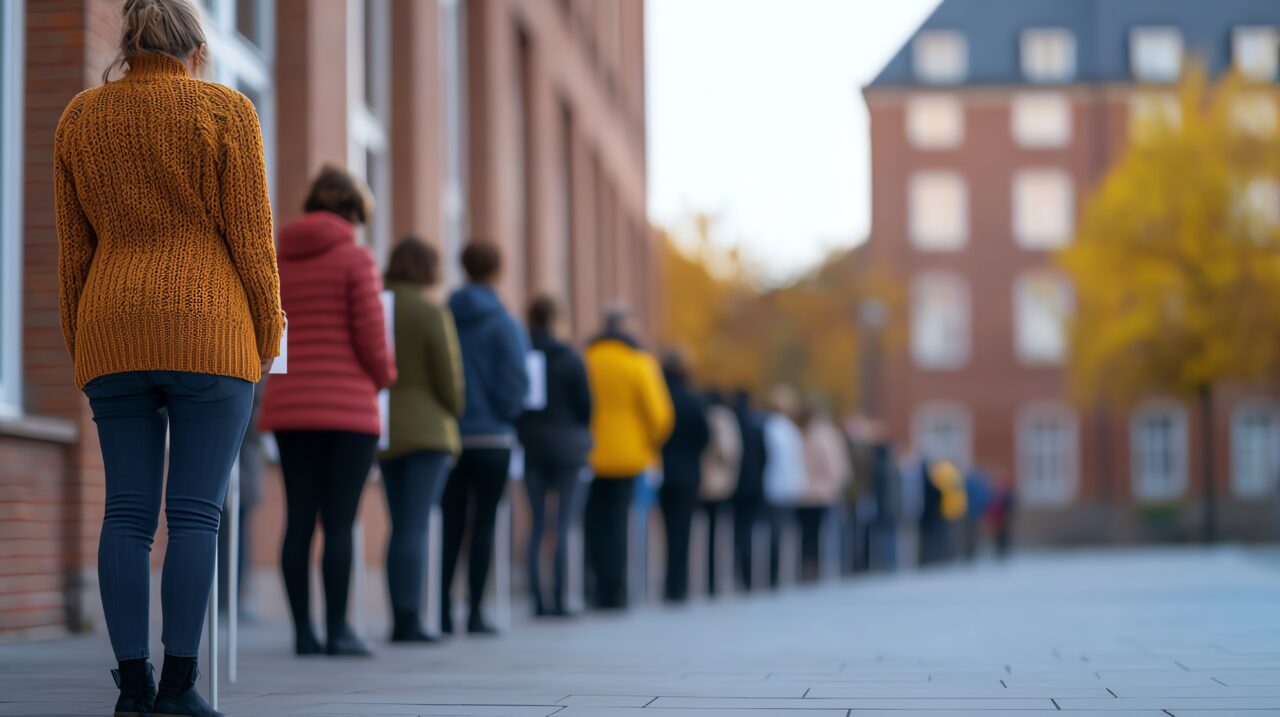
(811, 518)
(714, 510)
(324, 476)
(747, 514)
(475, 485)
(541, 476)
(678, 499)
(608, 509)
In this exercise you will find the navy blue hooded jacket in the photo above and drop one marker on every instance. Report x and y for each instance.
(493, 361)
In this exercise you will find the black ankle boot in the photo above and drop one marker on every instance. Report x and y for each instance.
(344, 643)
(178, 696)
(137, 682)
(306, 643)
(477, 626)
(407, 628)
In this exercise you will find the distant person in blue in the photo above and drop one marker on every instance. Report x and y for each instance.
(556, 437)
(493, 362)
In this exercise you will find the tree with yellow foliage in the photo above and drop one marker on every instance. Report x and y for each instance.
(1177, 259)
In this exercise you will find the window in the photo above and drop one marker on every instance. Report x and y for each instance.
(1041, 304)
(940, 321)
(940, 57)
(1043, 208)
(1048, 55)
(1262, 202)
(1041, 120)
(1255, 113)
(943, 432)
(1048, 454)
(1155, 54)
(251, 20)
(938, 211)
(935, 121)
(241, 37)
(11, 74)
(1256, 51)
(1158, 441)
(1255, 449)
(369, 61)
(1153, 113)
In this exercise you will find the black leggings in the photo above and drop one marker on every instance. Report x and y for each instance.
(679, 499)
(324, 475)
(607, 525)
(478, 479)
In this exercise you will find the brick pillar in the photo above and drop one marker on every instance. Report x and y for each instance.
(416, 121)
(311, 92)
(69, 43)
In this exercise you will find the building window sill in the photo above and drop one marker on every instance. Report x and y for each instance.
(38, 428)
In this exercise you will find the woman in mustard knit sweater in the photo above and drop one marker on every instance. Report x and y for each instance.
(171, 311)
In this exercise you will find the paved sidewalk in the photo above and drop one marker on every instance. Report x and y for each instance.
(1187, 633)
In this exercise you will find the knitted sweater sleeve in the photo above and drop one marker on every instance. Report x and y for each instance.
(76, 238)
(246, 221)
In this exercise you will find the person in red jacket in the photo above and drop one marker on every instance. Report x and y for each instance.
(324, 411)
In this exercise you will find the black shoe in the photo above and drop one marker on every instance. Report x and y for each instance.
(477, 626)
(446, 621)
(137, 682)
(178, 696)
(307, 644)
(344, 643)
(407, 628)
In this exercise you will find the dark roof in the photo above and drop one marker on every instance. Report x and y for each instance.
(1101, 27)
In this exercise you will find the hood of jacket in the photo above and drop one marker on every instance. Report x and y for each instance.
(473, 304)
(315, 233)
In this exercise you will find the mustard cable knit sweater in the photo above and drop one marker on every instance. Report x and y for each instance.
(165, 252)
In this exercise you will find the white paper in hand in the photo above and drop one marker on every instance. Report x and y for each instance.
(281, 364)
(535, 364)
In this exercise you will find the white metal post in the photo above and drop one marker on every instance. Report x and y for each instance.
(433, 571)
(211, 638)
(233, 574)
(502, 566)
(726, 565)
(357, 583)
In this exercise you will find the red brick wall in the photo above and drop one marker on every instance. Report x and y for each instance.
(31, 532)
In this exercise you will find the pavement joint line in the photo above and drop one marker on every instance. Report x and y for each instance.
(1113, 692)
(655, 699)
(1219, 681)
(1055, 703)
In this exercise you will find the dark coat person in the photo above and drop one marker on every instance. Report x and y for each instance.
(681, 474)
(748, 501)
(556, 437)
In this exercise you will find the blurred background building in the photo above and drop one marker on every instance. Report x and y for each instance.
(989, 128)
(521, 121)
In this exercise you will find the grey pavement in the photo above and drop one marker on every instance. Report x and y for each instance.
(1181, 632)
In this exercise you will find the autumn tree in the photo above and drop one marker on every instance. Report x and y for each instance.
(1177, 259)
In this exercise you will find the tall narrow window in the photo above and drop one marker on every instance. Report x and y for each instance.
(939, 321)
(369, 60)
(527, 259)
(1158, 442)
(568, 212)
(1043, 208)
(11, 86)
(943, 432)
(938, 207)
(1041, 306)
(940, 57)
(1048, 454)
(1255, 449)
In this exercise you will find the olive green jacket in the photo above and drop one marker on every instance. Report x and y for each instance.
(428, 396)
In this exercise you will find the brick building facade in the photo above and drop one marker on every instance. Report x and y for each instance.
(989, 129)
(521, 121)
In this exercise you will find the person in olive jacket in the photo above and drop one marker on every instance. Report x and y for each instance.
(556, 437)
(423, 425)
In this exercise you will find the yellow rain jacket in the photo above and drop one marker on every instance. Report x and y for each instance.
(631, 415)
(950, 482)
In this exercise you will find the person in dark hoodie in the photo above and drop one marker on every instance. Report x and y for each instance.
(749, 509)
(496, 381)
(556, 437)
(681, 474)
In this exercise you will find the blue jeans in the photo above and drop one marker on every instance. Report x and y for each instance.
(414, 484)
(205, 416)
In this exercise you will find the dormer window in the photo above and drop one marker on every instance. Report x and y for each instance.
(1048, 55)
(1155, 54)
(1256, 52)
(940, 57)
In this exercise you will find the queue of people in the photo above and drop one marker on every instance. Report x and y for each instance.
(173, 302)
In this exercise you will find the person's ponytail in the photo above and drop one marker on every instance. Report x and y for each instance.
(166, 27)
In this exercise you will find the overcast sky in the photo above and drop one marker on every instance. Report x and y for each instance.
(756, 116)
